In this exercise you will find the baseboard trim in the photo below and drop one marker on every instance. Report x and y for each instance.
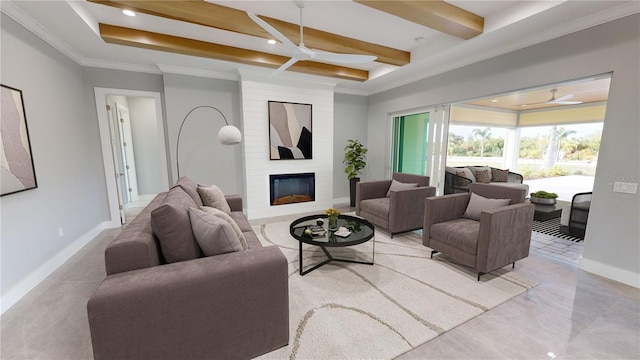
(620, 275)
(21, 289)
(342, 200)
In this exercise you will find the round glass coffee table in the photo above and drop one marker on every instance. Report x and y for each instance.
(361, 232)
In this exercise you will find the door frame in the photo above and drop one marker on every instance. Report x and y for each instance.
(105, 142)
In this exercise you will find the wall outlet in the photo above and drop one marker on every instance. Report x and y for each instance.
(60, 232)
(624, 187)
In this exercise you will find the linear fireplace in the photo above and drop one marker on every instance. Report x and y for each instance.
(292, 188)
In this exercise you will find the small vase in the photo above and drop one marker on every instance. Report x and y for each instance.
(333, 223)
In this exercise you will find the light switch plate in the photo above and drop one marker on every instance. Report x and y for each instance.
(624, 187)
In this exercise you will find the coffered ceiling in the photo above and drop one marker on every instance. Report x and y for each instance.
(411, 39)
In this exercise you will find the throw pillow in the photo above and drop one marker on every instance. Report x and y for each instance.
(461, 182)
(397, 186)
(475, 169)
(478, 204)
(483, 176)
(499, 175)
(214, 235)
(222, 215)
(170, 223)
(214, 197)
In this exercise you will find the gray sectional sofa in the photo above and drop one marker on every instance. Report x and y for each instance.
(229, 306)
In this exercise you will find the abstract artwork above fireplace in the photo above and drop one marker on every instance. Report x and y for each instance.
(289, 131)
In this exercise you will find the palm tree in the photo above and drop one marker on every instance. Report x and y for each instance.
(483, 135)
(562, 134)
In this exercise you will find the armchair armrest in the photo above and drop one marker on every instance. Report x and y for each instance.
(439, 209)
(234, 201)
(233, 305)
(505, 236)
(406, 208)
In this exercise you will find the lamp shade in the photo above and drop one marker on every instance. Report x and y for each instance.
(229, 135)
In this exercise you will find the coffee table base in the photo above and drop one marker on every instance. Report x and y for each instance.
(331, 258)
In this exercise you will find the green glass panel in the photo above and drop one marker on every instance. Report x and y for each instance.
(410, 143)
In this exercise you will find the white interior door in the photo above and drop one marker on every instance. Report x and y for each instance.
(108, 140)
(128, 158)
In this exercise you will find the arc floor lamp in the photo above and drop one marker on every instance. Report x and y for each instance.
(228, 134)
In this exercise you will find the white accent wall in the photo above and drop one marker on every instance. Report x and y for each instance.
(255, 94)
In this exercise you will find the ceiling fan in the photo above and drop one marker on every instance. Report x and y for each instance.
(564, 100)
(301, 52)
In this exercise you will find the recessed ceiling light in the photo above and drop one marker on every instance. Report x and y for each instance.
(494, 100)
(271, 41)
(128, 13)
(523, 105)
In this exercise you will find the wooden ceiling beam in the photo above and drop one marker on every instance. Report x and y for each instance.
(435, 14)
(230, 19)
(179, 45)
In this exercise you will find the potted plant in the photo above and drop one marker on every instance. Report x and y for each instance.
(354, 158)
(543, 197)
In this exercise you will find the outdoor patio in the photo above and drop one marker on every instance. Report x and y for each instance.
(564, 186)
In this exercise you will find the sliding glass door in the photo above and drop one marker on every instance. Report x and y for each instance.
(419, 143)
(410, 150)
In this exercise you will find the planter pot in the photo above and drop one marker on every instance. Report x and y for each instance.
(352, 191)
(542, 201)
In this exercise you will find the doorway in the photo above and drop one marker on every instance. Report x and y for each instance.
(132, 137)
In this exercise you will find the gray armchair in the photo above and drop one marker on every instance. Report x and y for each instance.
(501, 236)
(402, 210)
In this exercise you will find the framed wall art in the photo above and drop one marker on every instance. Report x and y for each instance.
(290, 131)
(16, 162)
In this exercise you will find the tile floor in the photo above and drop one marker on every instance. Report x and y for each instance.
(571, 314)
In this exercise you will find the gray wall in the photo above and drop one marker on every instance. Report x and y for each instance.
(66, 152)
(350, 122)
(612, 247)
(202, 157)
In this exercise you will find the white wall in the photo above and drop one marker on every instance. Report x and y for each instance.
(144, 127)
(66, 151)
(258, 166)
(350, 122)
(202, 158)
(612, 245)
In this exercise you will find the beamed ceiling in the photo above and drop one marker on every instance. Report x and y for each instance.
(412, 40)
(435, 14)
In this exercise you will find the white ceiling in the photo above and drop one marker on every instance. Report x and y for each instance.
(71, 26)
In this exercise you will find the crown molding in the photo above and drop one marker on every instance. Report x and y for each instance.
(170, 69)
(30, 24)
(287, 79)
(108, 64)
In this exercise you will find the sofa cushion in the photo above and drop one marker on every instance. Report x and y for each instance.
(170, 223)
(214, 235)
(224, 216)
(460, 233)
(212, 196)
(467, 173)
(378, 207)
(190, 188)
(499, 175)
(398, 186)
(478, 204)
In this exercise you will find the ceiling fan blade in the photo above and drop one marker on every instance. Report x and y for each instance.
(284, 66)
(566, 97)
(271, 30)
(566, 102)
(343, 58)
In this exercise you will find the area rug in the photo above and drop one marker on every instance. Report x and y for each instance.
(357, 311)
(551, 227)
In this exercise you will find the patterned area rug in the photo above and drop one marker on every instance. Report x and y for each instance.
(356, 311)
(552, 227)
